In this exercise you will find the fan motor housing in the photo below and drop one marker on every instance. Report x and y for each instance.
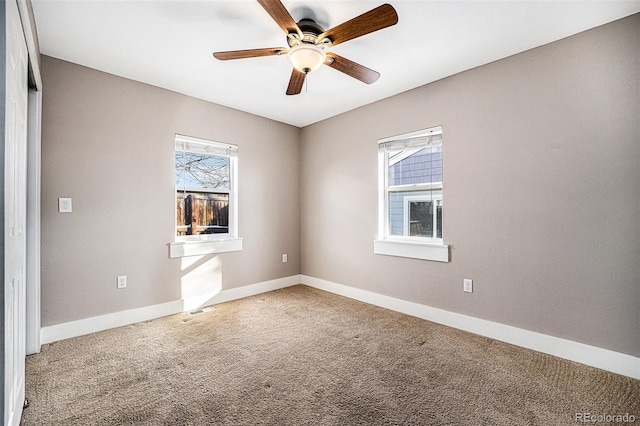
(310, 32)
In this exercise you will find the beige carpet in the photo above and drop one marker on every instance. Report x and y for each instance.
(301, 356)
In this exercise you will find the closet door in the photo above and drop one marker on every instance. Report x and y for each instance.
(15, 202)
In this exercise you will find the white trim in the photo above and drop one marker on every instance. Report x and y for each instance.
(412, 249)
(206, 190)
(406, 246)
(428, 186)
(234, 229)
(253, 289)
(67, 330)
(224, 150)
(383, 196)
(435, 130)
(605, 359)
(33, 222)
(30, 37)
(593, 356)
(199, 248)
(205, 146)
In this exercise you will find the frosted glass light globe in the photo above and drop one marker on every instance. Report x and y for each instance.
(306, 57)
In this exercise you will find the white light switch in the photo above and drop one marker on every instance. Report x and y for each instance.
(468, 285)
(64, 205)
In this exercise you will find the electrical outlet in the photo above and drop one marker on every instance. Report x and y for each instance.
(64, 205)
(468, 285)
(284, 258)
(122, 281)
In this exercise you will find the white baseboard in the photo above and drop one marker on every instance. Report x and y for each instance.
(66, 330)
(253, 289)
(604, 359)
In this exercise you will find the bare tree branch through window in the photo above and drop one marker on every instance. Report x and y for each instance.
(195, 170)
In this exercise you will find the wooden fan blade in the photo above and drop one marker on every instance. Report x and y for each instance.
(352, 69)
(281, 15)
(376, 19)
(296, 82)
(251, 53)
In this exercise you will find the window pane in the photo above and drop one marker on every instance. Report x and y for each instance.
(421, 219)
(202, 171)
(411, 166)
(411, 213)
(200, 213)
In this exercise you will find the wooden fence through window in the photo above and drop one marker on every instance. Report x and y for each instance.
(202, 213)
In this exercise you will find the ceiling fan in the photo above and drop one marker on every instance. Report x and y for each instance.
(308, 43)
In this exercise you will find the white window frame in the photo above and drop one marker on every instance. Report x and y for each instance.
(403, 245)
(196, 245)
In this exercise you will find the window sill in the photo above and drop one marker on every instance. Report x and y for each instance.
(200, 248)
(414, 250)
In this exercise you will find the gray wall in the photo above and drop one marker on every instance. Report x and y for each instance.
(108, 143)
(541, 191)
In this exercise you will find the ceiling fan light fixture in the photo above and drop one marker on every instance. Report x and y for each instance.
(307, 57)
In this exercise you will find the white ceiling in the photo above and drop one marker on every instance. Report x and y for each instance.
(170, 44)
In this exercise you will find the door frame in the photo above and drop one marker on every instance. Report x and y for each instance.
(34, 120)
(34, 125)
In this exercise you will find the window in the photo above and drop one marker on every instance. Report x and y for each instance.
(423, 216)
(206, 196)
(410, 196)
